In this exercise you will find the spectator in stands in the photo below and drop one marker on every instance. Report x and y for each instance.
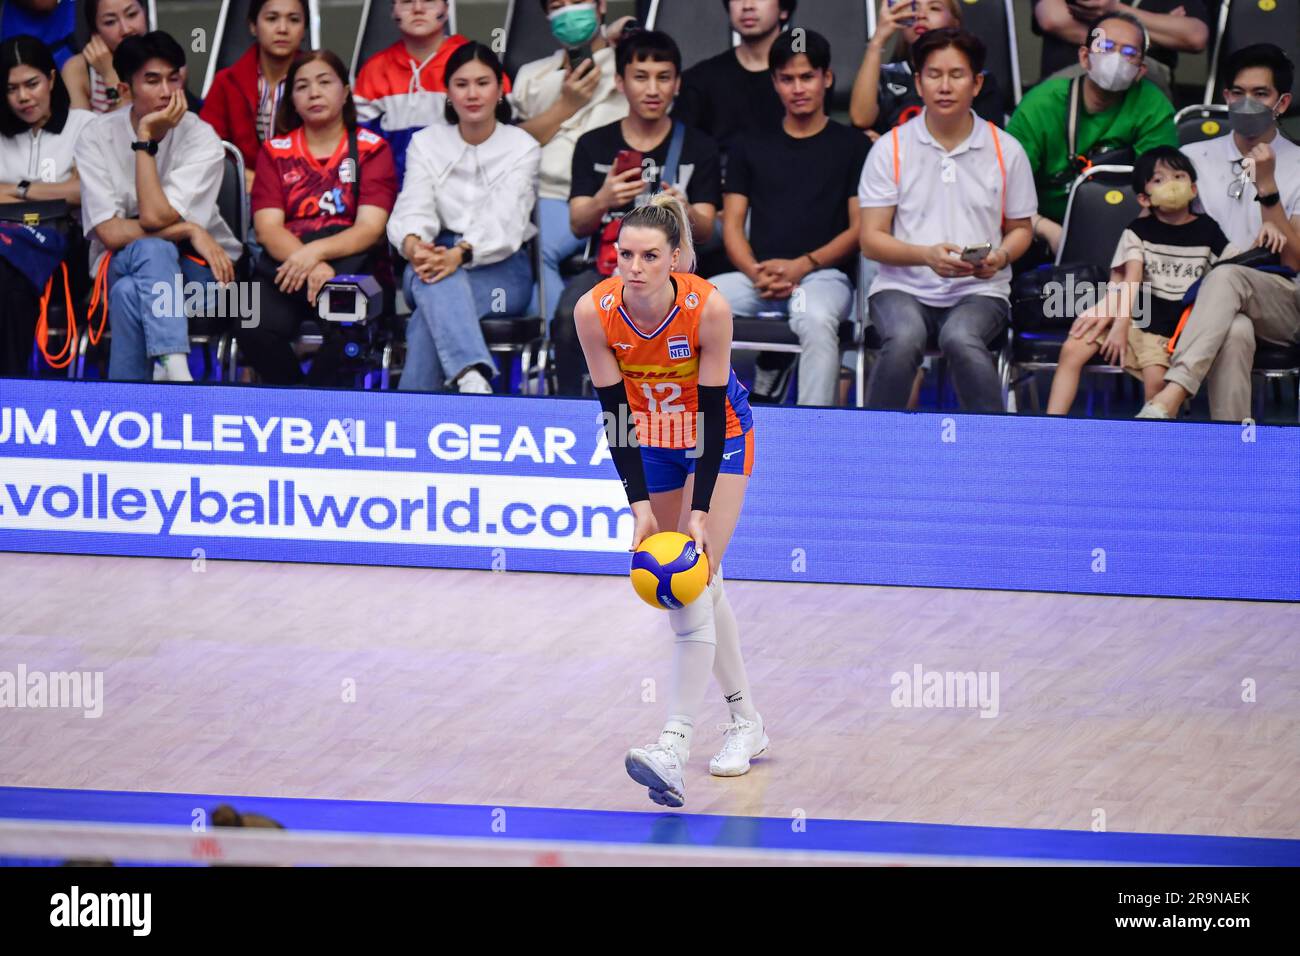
(38, 130)
(557, 99)
(462, 219)
(1250, 183)
(244, 97)
(1159, 257)
(53, 22)
(1174, 26)
(1120, 112)
(400, 89)
(150, 175)
(936, 195)
(604, 191)
(90, 77)
(797, 186)
(732, 93)
(884, 94)
(321, 200)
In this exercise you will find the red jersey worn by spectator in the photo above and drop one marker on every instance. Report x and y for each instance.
(231, 105)
(397, 97)
(312, 192)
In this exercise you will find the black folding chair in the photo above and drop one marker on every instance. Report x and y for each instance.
(1245, 22)
(994, 22)
(528, 35)
(1199, 123)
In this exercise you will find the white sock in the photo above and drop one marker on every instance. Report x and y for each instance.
(677, 734)
(693, 649)
(728, 664)
(177, 367)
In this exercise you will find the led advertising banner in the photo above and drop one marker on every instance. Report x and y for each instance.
(527, 484)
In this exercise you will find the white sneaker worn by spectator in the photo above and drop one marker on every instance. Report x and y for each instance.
(658, 767)
(1153, 410)
(745, 740)
(473, 383)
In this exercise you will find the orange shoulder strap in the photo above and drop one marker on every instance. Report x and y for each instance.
(898, 163)
(1002, 165)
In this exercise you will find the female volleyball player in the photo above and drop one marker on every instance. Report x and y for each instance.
(658, 341)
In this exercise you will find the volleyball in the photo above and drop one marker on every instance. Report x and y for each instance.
(667, 572)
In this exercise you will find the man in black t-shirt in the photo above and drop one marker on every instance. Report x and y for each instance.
(731, 93)
(798, 183)
(648, 73)
(1174, 26)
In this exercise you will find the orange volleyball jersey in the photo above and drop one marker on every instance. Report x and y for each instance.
(661, 368)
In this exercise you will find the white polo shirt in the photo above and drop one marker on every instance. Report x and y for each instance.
(1241, 219)
(42, 155)
(946, 196)
(190, 165)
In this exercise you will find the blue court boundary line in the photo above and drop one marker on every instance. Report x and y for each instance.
(664, 829)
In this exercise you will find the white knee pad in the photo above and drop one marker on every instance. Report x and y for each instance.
(695, 621)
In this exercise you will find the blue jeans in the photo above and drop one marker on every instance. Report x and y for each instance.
(965, 331)
(822, 300)
(144, 323)
(558, 244)
(443, 335)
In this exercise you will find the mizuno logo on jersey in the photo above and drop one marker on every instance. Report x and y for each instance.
(622, 345)
(679, 347)
(728, 454)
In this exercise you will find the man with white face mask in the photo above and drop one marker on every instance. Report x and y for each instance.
(1112, 107)
(1250, 181)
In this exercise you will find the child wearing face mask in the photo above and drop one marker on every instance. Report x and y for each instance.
(1160, 256)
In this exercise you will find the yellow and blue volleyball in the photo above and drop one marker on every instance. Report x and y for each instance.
(667, 571)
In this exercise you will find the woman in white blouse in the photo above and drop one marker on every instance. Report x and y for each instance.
(461, 222)
(37, 133)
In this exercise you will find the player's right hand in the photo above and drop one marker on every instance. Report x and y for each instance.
(646, 525)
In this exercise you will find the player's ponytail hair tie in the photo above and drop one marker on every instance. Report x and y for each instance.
(666, 213)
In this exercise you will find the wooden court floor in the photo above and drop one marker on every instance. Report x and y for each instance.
(526, 689)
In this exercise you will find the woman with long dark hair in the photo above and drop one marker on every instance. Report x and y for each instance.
(461, 222)
(321, 199)
(38, 130)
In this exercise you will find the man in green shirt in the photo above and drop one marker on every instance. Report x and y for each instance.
(1119, 107)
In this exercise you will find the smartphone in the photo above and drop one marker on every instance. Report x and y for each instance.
(976, 254)
(910, 20)
(579, 55)
(627, 159)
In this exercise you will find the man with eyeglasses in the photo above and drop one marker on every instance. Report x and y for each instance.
(1175, 26)
(1248, 180)
(1117, 110)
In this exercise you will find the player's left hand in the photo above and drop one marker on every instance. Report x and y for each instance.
(697, 526)
(317, 278)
